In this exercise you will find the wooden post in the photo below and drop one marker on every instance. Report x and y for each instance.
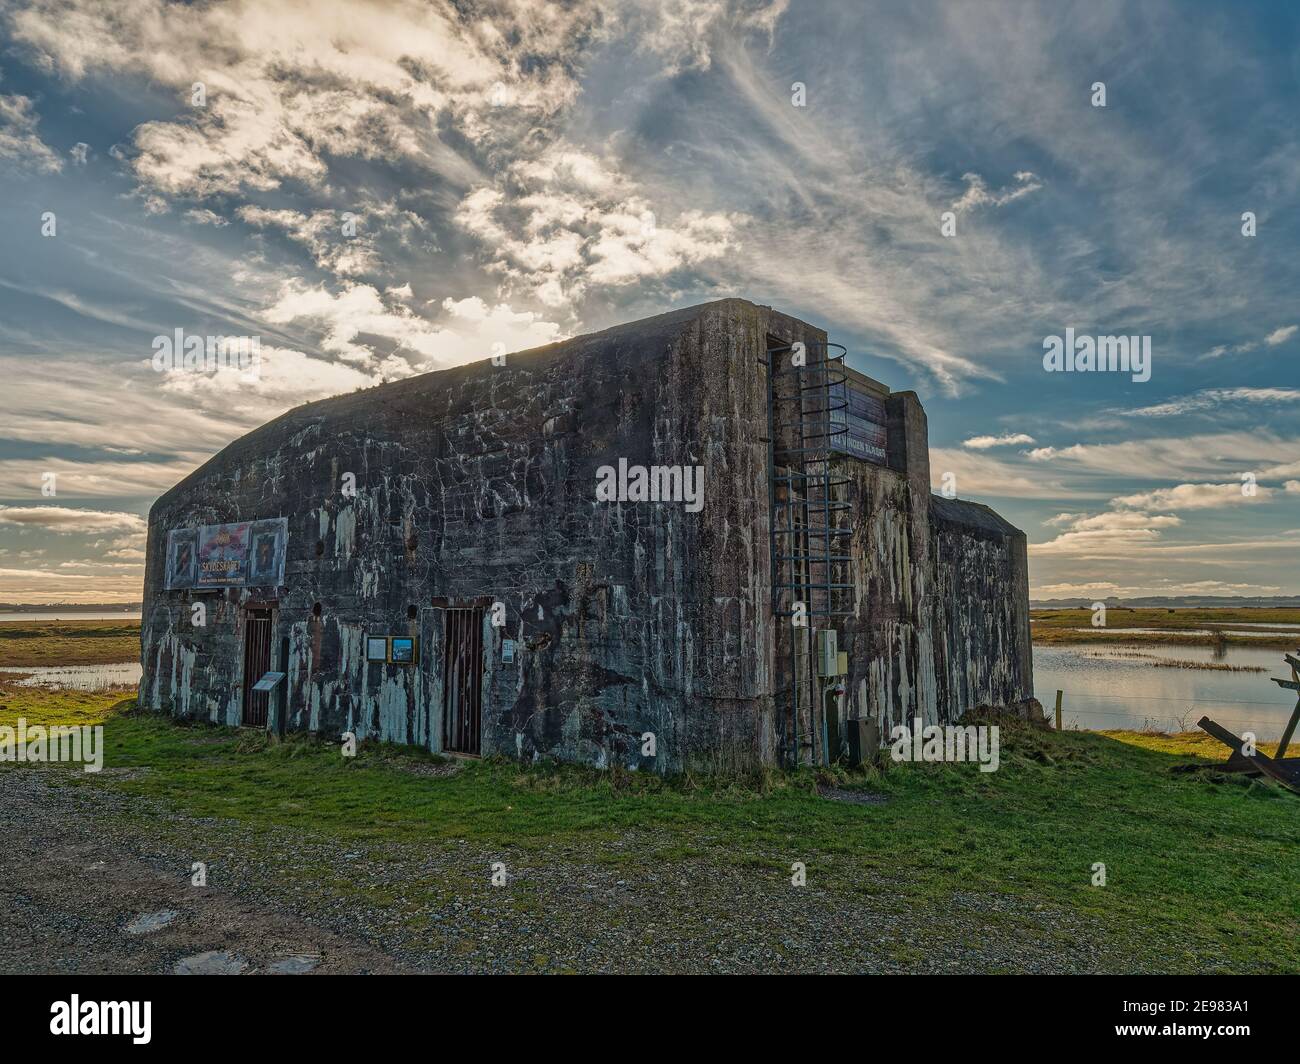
(1058, 710)
(1295, 714)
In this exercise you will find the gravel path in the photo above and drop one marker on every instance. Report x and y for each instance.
(83, 862)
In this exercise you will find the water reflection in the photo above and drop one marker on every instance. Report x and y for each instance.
(78, 677)
(115, 615)
(1246, 630)
(1109, 685)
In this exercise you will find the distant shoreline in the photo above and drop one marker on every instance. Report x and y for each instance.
(71, 607)
(1275, 628)
(1197, 602)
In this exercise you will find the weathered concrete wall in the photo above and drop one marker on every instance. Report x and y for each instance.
(940, 621)
(891, 636)
(981, 618)
(889, 640)
(477, 484)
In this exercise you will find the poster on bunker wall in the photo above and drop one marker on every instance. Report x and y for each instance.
(240, 554)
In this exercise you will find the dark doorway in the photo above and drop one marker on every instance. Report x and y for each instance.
(462, 672)
(257, 661)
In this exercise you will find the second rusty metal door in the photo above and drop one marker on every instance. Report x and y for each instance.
(462, 681)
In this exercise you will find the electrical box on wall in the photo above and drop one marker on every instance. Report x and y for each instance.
(828, 657)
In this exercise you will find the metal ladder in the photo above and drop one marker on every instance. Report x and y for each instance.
(809, 509)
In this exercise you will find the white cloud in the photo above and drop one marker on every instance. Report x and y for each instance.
(467, 332)
(342, 242)
(977, 192)
(685, 33)
(66, 519)
(83, 478)
(1170, 588)
(1193, 497)
(1104, 534)
(1280, 335)
(292, 84)
(1073, 590)
(45, 585)
(1212, 398)
(983, 475)
(1097, 543)
(37, 403)
(1196, 456)
(38, 574)
(983, 443)
(1044, 454)
(567, 221)
(282, 378)
(203, 216)
(1129, 520)
(321, 232)
(20, 141)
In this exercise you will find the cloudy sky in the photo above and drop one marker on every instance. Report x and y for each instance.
(383, 189)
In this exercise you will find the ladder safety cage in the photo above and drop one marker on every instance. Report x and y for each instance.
(811, 515)
(810, 509)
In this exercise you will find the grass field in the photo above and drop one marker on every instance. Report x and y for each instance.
(1201, 868)
(68, 642)
(1060, 626)
(1201, 871)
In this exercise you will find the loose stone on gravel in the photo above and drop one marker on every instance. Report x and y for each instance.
(147, 922)
(390, 905)
(295, 964)
(214, 962)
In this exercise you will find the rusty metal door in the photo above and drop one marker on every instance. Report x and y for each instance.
(462, 677)
(257, 660)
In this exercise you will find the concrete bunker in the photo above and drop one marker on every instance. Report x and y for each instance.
(594, 552)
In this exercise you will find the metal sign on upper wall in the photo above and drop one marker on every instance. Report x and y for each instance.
(860, 424)
(241, 554)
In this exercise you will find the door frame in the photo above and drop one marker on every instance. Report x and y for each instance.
(258, 613)
(464, 671)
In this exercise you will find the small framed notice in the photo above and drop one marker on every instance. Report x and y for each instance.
(403, 650)
(376, 648)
